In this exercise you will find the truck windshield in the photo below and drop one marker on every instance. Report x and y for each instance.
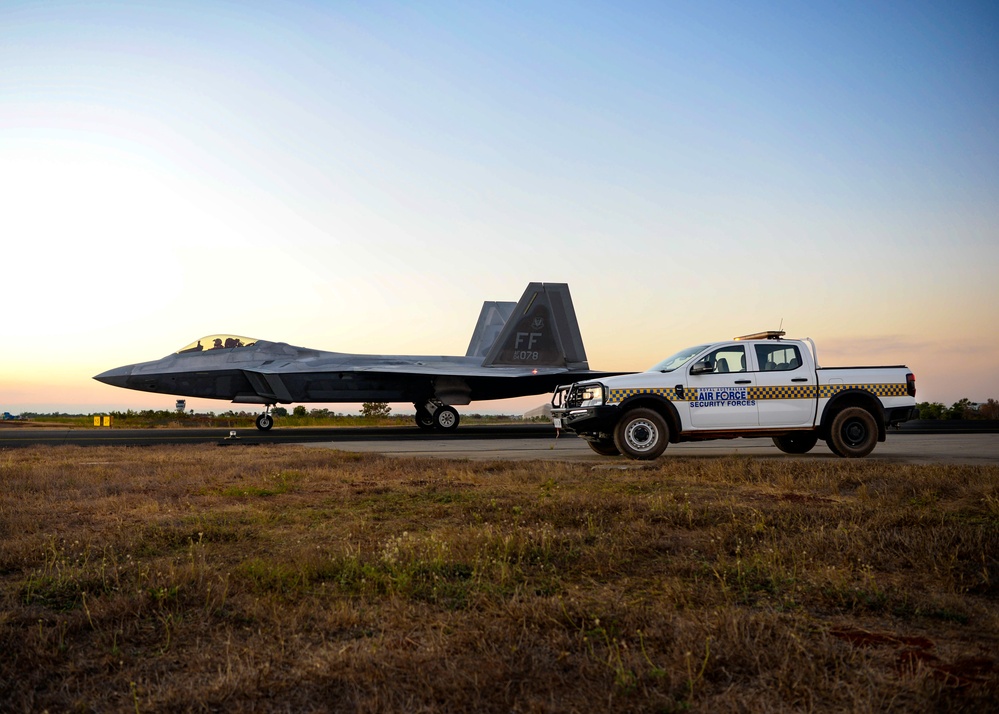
(678, 360)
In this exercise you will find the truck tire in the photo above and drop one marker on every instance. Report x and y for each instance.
(832, 446)
(797, 443)
(853, 434)
(641, 434)
(604, 447)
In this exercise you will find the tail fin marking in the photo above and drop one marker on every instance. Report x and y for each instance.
(541, 332)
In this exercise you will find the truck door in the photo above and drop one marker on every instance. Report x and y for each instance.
(785, 385)
(722, 381)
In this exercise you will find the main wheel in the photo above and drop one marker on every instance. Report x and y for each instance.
(854, 433)
(265, 422)
(797, 443)
(604, 447)
(424, 419)
(641, 434)
(446, 419)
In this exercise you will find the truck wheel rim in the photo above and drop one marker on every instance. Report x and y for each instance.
(854, 432)
(641, 435)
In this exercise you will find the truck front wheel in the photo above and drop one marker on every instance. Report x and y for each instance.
(853, 434)
(604, 447)
(799, 443)
(641, 434)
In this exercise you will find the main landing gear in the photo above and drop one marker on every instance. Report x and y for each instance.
(435, 415)
(265, 421)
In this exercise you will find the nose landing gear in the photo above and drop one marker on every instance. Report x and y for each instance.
(265, 421)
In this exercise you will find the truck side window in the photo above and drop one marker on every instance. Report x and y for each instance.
(727, 359)
(778, 357)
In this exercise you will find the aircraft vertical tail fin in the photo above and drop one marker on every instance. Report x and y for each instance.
(541, 332)
(492, 318)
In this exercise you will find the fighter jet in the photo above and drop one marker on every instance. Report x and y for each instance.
(516, 349)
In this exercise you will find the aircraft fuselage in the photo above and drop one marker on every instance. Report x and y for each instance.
(278, 373)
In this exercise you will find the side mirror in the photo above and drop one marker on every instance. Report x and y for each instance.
(703, 368)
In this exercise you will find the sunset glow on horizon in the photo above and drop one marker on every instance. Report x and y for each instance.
(359, 178)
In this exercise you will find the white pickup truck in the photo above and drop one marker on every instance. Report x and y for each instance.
(752, 386)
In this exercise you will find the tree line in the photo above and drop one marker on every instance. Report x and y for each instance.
(961, 409)
(369, 410)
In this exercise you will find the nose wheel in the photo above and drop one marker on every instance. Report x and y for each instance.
(265, 421)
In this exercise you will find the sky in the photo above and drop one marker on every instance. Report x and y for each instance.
(360, 176)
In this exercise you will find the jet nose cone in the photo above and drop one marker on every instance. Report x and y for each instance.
(115, 377)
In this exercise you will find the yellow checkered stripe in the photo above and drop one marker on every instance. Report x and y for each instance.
(619, 395)
(878, 390)
(784, 391)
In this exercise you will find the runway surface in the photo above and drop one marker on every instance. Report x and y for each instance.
(899, 448)
(517, 442)
(19, 437)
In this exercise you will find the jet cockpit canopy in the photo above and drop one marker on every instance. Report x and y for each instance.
(217, 342)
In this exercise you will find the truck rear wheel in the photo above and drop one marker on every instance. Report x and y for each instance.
(641, 434)
(832, 446)
(798, 443)
(853, 434)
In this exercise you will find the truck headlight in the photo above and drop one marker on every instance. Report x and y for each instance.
(591, 395)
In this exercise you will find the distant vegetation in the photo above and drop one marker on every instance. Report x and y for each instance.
(370, 414)
(375, 410)
(962, 409)
(292, 579)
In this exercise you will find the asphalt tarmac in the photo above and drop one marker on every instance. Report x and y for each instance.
(20, 437)
(899, 448)
(509, 442)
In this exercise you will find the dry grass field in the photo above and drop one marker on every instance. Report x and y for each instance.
(293, 579)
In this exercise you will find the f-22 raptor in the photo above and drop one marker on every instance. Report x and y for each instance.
(517, 349)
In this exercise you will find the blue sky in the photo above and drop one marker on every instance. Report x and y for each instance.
(360, 176)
